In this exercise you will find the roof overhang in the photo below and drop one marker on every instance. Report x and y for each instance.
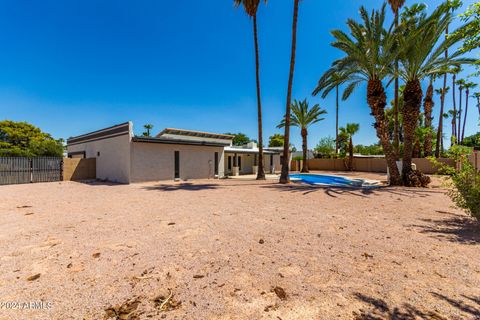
(110, 132)
(249, 151)
(178, 141)
(193, 133)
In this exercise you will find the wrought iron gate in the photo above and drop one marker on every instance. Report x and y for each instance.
(17, 170)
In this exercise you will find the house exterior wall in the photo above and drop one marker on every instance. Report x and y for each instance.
(155, 161)
(112, 157)
(248, 161)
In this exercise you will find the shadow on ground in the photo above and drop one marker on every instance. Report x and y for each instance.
(336, 192)
(378, 309)
(183, 186)
(94, 183)
(455, 228)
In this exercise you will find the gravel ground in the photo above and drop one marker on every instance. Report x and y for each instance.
(235, 249)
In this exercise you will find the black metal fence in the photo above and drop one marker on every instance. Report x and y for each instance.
(17, 170)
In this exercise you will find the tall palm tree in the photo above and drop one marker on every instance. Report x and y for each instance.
(147, 127)
(453, 114)
(455, 71)
(460, 83)
(251, 8)
(468, 86)
(303, 117)
(370, 55)
(329, 81)
(286, 152)
(450, 6)
(428, 107)
(442, 92)
(396, 5)
(348, 132)
(420, 53)
(477, 96)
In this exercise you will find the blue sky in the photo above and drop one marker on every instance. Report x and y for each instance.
(75, 66)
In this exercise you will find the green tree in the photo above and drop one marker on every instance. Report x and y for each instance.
(470, 33)
(332, 79)
(21, 139)
(348, 132)
(239, 139)
(374, 149)
(326, 147)
(303, 117)
(285, 165)
(476, 95)
(442, 92)
(468, 86)
(472, 141)
(454, 71)
(370, 53)
(147, 127)
(251, 8)
(461, 84)
(276, 140)
(420, 56)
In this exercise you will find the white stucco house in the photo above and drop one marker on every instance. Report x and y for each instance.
(172, 154)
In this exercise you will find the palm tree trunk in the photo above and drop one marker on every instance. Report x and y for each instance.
(439, 146)
(336, 123)
(478, 104)
(396, 142)
(411, 110)
(377, 100)
(428, 107)
(459, 127)
(453, 139)
(454, 120)
(285, 165)
(467, 92)
(260, 173)
(305, 150)
(440, 119)
(350, 154)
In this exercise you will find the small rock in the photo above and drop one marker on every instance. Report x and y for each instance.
(366, 255)
(280, 292)
(34, 277)
(96, 255)
(171, 223)
(69, 265)
(261, 241)
(198, 276)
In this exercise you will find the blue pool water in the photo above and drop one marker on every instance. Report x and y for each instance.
(320, 179)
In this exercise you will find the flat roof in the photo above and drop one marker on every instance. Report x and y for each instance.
(109, 132)
(229, 149)
(179, 141)
(193, 133)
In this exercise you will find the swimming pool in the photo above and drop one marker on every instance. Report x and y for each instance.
(331, 180)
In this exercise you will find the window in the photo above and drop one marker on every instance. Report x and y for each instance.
(216, 163)
(239, 163)
(271, 160)
(98, 153)
(229, 162)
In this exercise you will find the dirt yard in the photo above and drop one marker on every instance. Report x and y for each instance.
(235, 249)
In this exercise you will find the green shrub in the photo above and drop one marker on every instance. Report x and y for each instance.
(464, 184)
(466, 191)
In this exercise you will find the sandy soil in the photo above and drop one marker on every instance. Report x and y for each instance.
(235, 249)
